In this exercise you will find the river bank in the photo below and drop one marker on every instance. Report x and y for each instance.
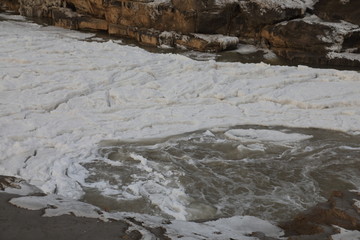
(63, 98)
(298, 31)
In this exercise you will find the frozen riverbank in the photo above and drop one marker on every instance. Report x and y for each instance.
(61, 96)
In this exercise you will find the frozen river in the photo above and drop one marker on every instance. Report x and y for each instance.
(166, 135)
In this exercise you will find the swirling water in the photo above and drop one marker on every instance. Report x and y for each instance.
(267, 172)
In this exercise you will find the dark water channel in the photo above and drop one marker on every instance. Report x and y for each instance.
(271, 173)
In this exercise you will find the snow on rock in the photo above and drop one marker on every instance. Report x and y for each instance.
(345, 55)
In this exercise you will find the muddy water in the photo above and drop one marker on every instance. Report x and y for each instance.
(271, 173)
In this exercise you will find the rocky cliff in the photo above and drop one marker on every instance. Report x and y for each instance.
(324, 32)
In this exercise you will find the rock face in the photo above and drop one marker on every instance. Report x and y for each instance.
(327, 32)
(306, 39)
(322, 221)
(12, 5)
(337, 10)
(38, 8)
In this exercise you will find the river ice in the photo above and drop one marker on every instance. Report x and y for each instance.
(60, 96)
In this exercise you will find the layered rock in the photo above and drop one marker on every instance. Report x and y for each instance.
(38, 8)
(144, 21)
(314, 41)
(289, 27)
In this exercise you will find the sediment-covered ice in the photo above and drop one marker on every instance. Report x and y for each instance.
(60, 96)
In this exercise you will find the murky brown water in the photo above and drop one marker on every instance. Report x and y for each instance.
(271, 173)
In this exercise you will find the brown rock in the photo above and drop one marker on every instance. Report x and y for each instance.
(93, 23)
(66, 18)
(310, 40)
(208, 43)
(11, 5)
(118, 30)
(94, 8)
(336, 10)
(190, 5)
(299, 34)
(7, 181)
(38, 8)
(280, 26)
(254, 15)
(339, 210)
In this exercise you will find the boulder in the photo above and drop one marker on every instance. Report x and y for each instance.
(10, 5)
(245, 18)
(310, 40)
(337, 10)
(38, 8)
(319, 222)
(254, 15)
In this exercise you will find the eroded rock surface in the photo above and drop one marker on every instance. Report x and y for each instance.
(322, 221)
(312, 40)
(337, 10)
(302, 31)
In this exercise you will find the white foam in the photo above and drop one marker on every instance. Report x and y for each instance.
(246, 49)
(55, 205)
(62, 97)
(238, 227)
(171, 200)
(346, 235)
(252, 147)
(256, 135)
(143, 162)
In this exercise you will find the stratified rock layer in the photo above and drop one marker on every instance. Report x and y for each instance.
(289, 28)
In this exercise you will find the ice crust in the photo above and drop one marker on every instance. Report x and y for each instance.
(61, 96)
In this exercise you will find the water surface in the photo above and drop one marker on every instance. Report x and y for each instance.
(272, 173)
